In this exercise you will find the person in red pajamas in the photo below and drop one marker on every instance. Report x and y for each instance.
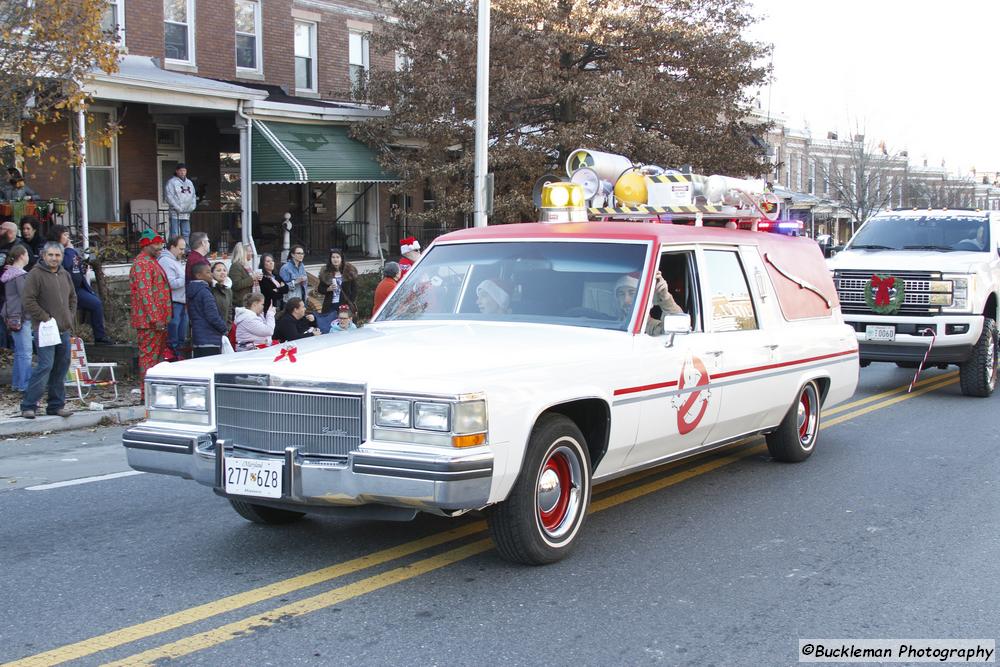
(151, 305)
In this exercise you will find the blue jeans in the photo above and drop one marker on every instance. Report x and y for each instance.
(21, 373)
(179, 226)
(177, 329)
(90, 302)
(53, 363)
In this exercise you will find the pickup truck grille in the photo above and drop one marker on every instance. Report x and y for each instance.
(851, 289)
(269, 419)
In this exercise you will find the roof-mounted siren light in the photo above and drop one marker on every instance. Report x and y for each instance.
(608, 166)
(595, 189)
(727, 191)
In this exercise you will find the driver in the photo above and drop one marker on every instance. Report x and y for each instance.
(492, 299)
(663, 301)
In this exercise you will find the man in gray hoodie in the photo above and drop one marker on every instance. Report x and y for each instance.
(180, 196)
(49, 294)
(171, 260)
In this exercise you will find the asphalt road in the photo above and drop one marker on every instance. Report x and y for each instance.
(890, 530)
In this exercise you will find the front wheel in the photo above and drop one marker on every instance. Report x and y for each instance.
(978, 375)
(539, 521)
(795, 438)
(264, 514)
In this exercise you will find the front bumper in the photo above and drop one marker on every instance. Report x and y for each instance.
(911, 341)
(448, 482)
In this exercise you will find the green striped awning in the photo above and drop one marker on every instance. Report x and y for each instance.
(294, 153)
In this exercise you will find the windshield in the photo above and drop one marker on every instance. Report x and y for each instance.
(923, 232)
(576, 283)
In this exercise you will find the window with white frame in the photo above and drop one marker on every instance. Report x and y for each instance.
(826, 177)
(248, 33)
(358, 57)
(102, 167)
(305, 56)
(812, 176)
(113, 19)
(178, 31)
(403, 61)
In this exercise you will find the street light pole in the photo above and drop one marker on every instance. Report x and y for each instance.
(482, 111)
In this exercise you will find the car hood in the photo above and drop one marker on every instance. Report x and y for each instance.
(451, 357)
(886, 261)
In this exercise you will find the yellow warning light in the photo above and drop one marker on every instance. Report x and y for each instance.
(562, 194)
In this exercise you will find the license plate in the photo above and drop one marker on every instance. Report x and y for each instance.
(253, 477)
(880, 332)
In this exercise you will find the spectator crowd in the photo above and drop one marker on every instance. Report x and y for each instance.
(183, 305)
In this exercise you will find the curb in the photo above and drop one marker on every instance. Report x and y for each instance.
(16, 426)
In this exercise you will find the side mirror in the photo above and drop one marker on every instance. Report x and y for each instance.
(675, 324)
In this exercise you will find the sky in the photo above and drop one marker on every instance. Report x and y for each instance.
(920, 75)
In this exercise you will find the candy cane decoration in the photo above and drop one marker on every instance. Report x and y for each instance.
(924, 360)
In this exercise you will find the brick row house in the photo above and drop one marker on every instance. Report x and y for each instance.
(255, 97)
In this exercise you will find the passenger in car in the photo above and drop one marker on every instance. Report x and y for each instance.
(492, 299)
(663, 302)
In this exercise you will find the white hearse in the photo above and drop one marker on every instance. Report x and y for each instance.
(513, 368)
(925, 282)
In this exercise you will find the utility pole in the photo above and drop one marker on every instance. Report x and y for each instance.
(482, 112)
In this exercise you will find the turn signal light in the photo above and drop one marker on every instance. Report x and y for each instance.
(471, 440)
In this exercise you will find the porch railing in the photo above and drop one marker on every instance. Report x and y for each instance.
(222, 227)
(424, 233)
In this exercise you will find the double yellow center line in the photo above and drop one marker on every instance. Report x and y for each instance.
(250, 624)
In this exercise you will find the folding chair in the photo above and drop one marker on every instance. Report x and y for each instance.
(85, 376)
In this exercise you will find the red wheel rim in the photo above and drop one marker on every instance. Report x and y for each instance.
(804, 416)
(555, 515)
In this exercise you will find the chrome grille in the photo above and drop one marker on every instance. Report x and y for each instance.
(269, 419)
(916, 301)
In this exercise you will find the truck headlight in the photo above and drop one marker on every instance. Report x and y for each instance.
(431, 416)
(392, 412)
(163, 396)
(961, 286)
(194, 397)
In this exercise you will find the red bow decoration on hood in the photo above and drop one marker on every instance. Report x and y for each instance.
(288, 351)
(882, 287)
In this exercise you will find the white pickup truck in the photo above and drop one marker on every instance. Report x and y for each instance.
(511, 369)
(910, 280)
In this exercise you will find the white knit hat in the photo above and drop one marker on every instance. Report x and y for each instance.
(628, 280)
(495, 292)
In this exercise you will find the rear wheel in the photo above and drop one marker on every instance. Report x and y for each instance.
(264, 514)
(795, 438)
(539, 521)
(979, 374)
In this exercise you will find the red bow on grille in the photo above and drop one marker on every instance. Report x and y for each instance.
(882, 287)
(289, 352)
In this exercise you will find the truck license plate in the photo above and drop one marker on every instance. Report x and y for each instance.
(253, 477)
(880, 333)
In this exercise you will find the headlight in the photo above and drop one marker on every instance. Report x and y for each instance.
(431, 416)
(960, 288)
(470, 417)
(163, 396)
(392, 412)
(194, 398)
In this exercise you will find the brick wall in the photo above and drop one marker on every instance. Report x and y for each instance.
(278, 45)
(49, 176)
(136, 156)
(144, 27)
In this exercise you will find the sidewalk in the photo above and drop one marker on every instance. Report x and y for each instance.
(11, 427)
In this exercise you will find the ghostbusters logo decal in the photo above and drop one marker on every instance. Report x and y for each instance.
(692, 401)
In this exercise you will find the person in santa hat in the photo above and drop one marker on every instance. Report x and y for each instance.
(409, 248)
(492, 298)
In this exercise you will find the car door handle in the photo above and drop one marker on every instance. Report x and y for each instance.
(772, 346)
(714, 353)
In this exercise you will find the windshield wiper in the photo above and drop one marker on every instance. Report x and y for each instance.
(942, 248)
(870, 246)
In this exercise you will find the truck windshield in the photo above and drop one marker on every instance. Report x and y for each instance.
(587, 284)
(923, 232)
